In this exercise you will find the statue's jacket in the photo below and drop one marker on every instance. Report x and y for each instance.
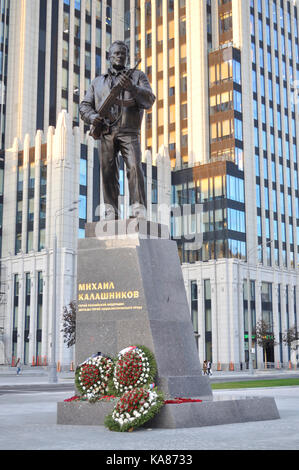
(131, 103)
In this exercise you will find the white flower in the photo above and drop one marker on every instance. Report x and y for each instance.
(146, 405)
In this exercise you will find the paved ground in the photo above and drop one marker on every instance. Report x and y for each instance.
(28, 420)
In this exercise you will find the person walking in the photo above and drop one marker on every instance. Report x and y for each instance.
(204, 368)
(18, 366)
(209, 366)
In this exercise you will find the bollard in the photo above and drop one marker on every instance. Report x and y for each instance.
(278, 365)
(13, 363)
(72, 367)
(58, 366)
(290, 365)
(231, 366)
(45, 360)
(33, 361)
(218, 366)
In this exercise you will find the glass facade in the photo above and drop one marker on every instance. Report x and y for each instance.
(217, 190)
(74, 68)
(216, 187)
(157, 74)
(273, 72)
(4, 43)
(225, 96)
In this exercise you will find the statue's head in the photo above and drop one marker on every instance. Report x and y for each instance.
(118, 54)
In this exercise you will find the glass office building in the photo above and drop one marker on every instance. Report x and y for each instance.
(225, 74)
(220, 140)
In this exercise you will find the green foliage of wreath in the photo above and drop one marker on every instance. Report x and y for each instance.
(136, 416)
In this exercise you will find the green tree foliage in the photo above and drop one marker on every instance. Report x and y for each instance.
(290, 336)
(264, 336)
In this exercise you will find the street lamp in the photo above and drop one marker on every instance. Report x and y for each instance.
(52, 368)
(250, 365)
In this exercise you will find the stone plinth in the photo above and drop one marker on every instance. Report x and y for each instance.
(125, 228)
(172, 416)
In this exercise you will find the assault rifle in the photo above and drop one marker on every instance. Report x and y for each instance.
(105, 118)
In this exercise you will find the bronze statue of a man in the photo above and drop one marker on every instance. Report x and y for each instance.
(114, 105)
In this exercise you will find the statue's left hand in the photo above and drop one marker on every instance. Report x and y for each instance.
(126, 83)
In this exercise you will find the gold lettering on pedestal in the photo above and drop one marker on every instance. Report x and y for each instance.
(99, 291)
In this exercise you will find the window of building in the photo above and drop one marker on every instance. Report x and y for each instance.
(77, 27)
(225, 22)
(208, 319)
(238, 129)
(194, 306)
(99, 10)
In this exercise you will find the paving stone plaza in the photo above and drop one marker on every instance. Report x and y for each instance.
(28, 421)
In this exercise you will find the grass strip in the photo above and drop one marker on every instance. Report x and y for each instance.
(256, 383)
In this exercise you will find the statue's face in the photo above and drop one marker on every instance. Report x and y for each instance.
(118, 57)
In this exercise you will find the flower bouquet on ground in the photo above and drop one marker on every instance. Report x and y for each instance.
(92, 377)
(134, 408)
(135, 367)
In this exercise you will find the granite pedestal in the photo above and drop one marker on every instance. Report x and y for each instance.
(131, 291)
(173, 416)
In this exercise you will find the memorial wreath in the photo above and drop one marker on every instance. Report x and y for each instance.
(134, 408)
(134, 367)
(92, 377)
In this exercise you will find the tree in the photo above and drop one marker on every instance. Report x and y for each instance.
(264, 336)
(69, 324)
(290, 336)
